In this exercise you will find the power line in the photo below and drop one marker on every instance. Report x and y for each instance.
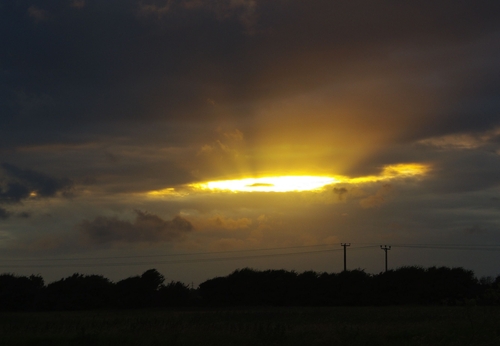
(194, 260)
(229, 258)
(419, 246)
(166, 255)
(451, 247)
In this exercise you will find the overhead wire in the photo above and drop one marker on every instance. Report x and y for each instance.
(192, 260)
(206, 258)
(170, 254)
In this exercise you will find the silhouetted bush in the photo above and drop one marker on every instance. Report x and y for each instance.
(80, 292)
(408, 285)
(174, 294)
(140, 291)
(20, 292)
(403, 286)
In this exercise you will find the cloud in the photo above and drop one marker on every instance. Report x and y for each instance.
(38, 14)
(464, 170)
(226, 223)
(19, 184)
(227, 244)
(24, 215)
(378, 199)
(217, 146)
(154, 9)
(146, 228)
(244, 11)
(4, 214)
(128, 93)
(235, 135)
(340, 192)
(475, 230)
(463, 141)
(79, 4)
(202, 51)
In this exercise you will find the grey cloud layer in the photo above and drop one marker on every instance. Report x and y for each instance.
(148, 228)
(69, 70)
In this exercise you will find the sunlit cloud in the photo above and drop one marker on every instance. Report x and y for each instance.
(269, 184)
(461, 141)
(397, 171)
(293, 183)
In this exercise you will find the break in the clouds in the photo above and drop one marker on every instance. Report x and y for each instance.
(136, 104)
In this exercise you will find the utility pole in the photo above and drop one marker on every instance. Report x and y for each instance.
(385, 248)
(345, 256)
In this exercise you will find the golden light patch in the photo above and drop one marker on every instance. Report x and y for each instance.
(401, 170)
(294, 183)
(405, 169)
(170, 191)
(269, 184)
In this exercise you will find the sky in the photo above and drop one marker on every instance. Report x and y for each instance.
(199, 137)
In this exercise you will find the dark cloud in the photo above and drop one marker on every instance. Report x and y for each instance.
(475, 230)
(378, 199)
(340, 191)
(37, 14)
(457, 172)
(87, 64)
(4, 214)
(24, 215)
(18, 184)
(78, 4)
(146, 227)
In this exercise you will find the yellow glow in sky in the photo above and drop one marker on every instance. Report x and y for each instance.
(297, 183)
(269, 184)
(401, 170)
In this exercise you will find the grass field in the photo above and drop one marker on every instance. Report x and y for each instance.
(468, 325)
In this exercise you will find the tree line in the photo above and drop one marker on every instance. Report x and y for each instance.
(408, 285)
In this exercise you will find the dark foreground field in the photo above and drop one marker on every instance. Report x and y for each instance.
(468, 325)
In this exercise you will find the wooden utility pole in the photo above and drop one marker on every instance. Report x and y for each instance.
(345, 245)
(385, 248)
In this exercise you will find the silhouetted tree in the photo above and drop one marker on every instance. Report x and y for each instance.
(450, 285)
(174, 294)
(20, 292)
(402, 286)
(80, 292)
(140, 291)
(490, 291)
